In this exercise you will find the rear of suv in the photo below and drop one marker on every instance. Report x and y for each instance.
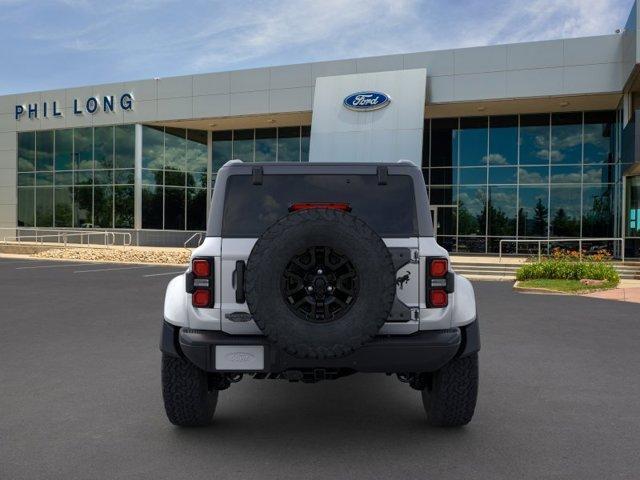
(314, 272)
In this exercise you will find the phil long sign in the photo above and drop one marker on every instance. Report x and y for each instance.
(91, 105)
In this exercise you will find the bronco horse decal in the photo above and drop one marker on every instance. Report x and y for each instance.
(400, 281)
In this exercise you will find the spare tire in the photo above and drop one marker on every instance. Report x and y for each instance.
(320, 283)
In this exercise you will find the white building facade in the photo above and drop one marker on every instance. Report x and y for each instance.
(522, 141)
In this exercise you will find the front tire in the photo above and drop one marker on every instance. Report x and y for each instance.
(188, 398)
(450, 395)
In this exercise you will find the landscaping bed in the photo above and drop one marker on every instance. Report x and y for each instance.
(165, 256)
(567, 272)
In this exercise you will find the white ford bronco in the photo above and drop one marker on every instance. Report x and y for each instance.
(313, 272)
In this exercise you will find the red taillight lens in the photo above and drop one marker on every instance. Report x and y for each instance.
(438, 267)
(201, 298)
(201, 268)
(296, 207)
(438, 298)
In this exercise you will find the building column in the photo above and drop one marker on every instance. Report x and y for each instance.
(137, 209)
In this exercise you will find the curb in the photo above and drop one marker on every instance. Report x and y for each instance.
(539, 290)
(79, 260)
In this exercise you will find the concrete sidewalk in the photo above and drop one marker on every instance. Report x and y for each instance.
(627, 291)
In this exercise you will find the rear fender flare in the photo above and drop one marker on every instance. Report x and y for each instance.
(464, 302)
(175, 302)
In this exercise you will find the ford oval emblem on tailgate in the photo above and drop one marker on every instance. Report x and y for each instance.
(365, 101)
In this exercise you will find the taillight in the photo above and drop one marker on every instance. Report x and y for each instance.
(440, 282)
(200, 283)
(296, 207)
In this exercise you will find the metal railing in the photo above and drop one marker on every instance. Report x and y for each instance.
(198, 235)
(82, 238)
(549, 241)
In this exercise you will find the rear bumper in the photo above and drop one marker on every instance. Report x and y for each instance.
(425, 351)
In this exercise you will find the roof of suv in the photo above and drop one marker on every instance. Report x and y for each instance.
(238, 167)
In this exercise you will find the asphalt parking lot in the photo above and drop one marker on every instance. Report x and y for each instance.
(80, 394)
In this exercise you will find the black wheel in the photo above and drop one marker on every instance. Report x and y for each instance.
(450, 395)
(320, 283)
(189, 399)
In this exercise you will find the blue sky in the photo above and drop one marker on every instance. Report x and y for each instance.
(49, 44)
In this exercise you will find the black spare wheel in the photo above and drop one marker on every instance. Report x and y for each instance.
(320, 283)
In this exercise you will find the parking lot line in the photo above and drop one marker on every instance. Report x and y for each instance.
(57, 266)
(115, 268)
(163, 273)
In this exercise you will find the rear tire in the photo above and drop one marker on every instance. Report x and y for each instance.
(188, 399)
(450, 395)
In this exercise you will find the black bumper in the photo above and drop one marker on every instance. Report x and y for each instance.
(424, 351)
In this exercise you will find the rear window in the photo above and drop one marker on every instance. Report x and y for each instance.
(388, 209)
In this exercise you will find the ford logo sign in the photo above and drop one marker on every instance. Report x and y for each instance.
(365, 101)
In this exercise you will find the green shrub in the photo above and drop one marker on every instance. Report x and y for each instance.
(568, 270)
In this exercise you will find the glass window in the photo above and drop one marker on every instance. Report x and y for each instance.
(305, 139)
(103, 207)
(83, 148)
(289, 144)
(472, 176)
(503, 140)
(44, 179)
(563, 174)
(63, 197)
(26, 151)
(26, 206)
(442, 176)
(197, 179)
(599, 140)
(533, 212)
(26, 180)
(472, 210)
(63, 158)
(152, 177)
(152, 207)
(174, 203)
(103, 177)
(266, 144)
(196, 208)
(533, 175)
(444, 142)
(103, 147)
(564, 211)
(44, 150)
(605, 173)
(243, 145)
(278, 192)
(197, 151)
(221, 146)
(473, 141)
(503, 175)
(566, 138)
(502, 211)
(83, 206)
(83, 177)
(125, 146)
(121, 177)
(175, 150)
(44, 207)
(441, 196)
(534, 139)
(174, 178)
(152, 147)
(123, 206)
(597, 211)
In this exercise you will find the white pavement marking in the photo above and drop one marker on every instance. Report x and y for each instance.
(112, 269)
(57, 266)
(164, 273)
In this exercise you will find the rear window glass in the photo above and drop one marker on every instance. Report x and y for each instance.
(388, 209)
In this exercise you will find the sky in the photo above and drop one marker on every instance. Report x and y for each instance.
(50, 44)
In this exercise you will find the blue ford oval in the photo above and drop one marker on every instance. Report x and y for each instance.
(365, 101)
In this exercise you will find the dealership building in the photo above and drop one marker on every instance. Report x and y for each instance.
(528, 141)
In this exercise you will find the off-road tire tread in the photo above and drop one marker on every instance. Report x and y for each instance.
(451, 400)
(308, 350)
(188, 401)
